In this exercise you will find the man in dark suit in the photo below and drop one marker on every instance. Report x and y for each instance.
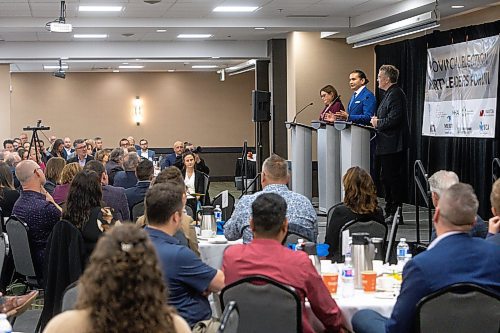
(363, 104)
(136, 194)
(391, 126)
(453, 257)
(174, 159)
(81, 156)
(144, 150)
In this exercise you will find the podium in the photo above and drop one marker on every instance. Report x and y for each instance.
(329, 176)
(355, 146)
(301, 158)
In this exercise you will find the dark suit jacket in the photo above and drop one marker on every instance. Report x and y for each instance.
(391, 127)
(169, 160)
(456, 258)
(75, 159)
(362, 108)
(151, 154)
(115, 198)
(137, 193)
(125, 179)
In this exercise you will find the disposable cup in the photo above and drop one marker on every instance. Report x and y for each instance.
(331, 281)
(369, 279)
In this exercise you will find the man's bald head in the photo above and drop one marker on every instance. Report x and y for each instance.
(25, 170)
(458, 206)
(178, 147)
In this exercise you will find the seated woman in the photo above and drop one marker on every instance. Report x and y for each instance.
(360, 202)
(195, 182)
(58, 149)
(122, 290)
(53, 172)
(8, 194)
(61, 191)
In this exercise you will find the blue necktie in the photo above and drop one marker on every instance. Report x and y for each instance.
(352, 100)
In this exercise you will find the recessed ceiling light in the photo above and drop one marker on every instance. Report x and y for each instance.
(259, 28)
(131, 66)
(235, 9)
(457, 6)
(100, 8)
(55, 67)
(204, 66)
(194, 36)
(161, 30)
(90, 36)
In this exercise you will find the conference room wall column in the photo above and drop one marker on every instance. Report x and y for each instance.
(262, 143)
(5, 130)
(276, 50)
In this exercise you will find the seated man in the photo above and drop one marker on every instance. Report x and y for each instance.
(188, 278)
(112, 196)
(300, 213)
(453, 257)
(115, 163)
(266, 256)
(127, 178)
(37, 209)
(144, 151)
(174, 159)
(144, 173)
(494, 223)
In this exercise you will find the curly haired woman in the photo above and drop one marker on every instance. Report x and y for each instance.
(122, 290)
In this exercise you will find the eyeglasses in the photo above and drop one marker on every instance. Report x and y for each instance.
(323, 95)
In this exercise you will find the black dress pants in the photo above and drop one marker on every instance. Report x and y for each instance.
(391, 178)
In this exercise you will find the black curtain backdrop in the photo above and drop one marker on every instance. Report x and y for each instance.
(470, 158)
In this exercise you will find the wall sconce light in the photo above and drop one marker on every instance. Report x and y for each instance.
(137, 110)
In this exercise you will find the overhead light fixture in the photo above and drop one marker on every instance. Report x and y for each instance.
(90, 36)
(204, 66)
(84, 8)
(222, 74)
(398, 29)
(235, 9)
(46, 67)
(215, 57)
(60, 25)
(116, 71)
(194, 36)
(161, 30)
(259, 28)
(131, 66)
(241, 68)
(171, 70)
(457, 6)
(137, 111)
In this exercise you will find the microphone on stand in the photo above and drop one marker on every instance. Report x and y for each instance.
(305, 107)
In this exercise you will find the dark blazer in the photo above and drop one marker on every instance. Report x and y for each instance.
(199, 184)
(340, 216)
(456, 258)
(392, 126)
(115, 198)
(8, 198)
(137, 193)
(75, 159)
(169, 160)
(125, 179)
(151, 154)
(362, 108)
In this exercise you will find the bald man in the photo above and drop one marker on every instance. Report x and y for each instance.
(37, 209)
(175, 158)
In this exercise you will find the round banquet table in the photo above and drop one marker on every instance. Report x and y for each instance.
(212, 250)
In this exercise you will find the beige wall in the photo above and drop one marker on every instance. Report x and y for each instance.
(4, 102)
(195, 107)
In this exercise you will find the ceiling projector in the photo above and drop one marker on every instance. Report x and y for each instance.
(60, 27)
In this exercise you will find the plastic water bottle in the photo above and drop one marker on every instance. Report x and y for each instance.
(4, 324)
(300, 245)
(347, 277)
(218, 214)
(402, 252)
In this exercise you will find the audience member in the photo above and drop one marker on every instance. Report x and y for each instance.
(121, 290)
(494, 222)
(58, 149)
(35, 156)
(8, 145)
(443, 180)
(266, 255)
(360, 203)
(127, 178)
(300, 213)
(131, 140)
(23, 137)
(98, 144)
(189, 279)
(17, 143)
(53, 173)
(68, 173)
(23, 154)
(68, 147)
(200, 164)
(174, 159)
(81, 155)
(195, 182)
(37, 209)
(144, 150)
(112, 196)
(124, 143)
(8, 193)
(115, 163)
(453, 257)
(136, 193)
(103, 156)
(12, 160)
(44, 154)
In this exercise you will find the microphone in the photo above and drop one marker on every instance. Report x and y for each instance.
(305, 107)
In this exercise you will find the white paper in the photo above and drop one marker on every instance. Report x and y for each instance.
(224, 199)
(345, 242)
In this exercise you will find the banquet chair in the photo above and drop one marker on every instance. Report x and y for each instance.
(206, 183)
(292, 238)
(474, 309)
(372, 227)
(17, 231)
(226, 211)
(264, 305)
(3, 252)
(230, 319)
(69, 297)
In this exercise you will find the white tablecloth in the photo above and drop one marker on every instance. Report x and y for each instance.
(212, 253)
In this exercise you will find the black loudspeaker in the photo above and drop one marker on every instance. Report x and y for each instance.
(261, 105)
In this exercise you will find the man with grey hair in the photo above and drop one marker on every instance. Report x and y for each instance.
(115, 163)
(274, 179)
(453, 257)
(127, 178)
(12, 160)
(37, 209)
(439, 182)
